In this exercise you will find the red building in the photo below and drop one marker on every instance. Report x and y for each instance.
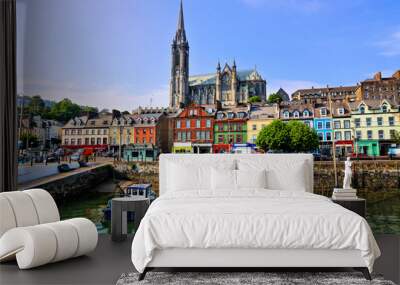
(193, 130)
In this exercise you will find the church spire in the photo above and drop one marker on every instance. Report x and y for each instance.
(180, 32)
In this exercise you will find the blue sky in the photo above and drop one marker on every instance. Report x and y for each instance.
(116, 53)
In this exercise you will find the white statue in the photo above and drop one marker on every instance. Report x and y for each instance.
(347, 174)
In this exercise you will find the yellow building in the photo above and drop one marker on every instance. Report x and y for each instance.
(374, 123)
(260, 117)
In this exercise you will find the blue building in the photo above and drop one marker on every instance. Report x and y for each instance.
(323, 127)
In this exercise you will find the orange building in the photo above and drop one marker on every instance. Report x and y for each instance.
(193, 130)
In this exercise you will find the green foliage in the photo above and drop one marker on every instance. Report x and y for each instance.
(254, 99)
(302, 137)
(274, 98)
(275, 136)
(287, 137)
(36, 105)
(396, 137)
(28, 139)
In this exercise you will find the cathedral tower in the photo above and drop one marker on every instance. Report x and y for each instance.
(179, 85)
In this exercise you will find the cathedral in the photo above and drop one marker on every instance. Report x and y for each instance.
(228, 86)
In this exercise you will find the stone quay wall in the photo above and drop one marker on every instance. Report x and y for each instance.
(74, 186)
(368, 176)
(372, 176)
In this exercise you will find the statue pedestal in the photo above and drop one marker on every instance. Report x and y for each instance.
(343, 194)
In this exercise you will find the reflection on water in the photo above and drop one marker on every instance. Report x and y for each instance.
(384, 216)
(383, 209)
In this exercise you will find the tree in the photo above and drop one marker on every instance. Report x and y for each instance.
(287, 137)
(275, 136)
(28, 140)
(274, 98)
(254, 99)
(396, 137)
(36, 105)
(64, 110)
(302, 137)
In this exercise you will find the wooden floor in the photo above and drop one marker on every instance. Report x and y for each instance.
(110, 260)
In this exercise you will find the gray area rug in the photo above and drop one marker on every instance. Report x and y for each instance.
(228, 278)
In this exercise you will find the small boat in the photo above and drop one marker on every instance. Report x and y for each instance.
(133, 190)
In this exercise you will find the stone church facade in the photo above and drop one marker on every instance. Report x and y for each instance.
(226, 87)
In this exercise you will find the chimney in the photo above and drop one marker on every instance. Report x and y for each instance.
(378, 76)
(396, 74)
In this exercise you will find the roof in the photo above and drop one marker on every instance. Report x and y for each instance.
(283, 94)
(211, 78)
(77, 122)
(373, 104)
(264, 112)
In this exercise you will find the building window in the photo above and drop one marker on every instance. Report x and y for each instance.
(220, 138)
(79, 132)
(198, 124)
(198, 135)
(392, 134)
(347, 135)
(369, 134)
(391, 121)
(239, 139)
(358, 135)
(104, 131)
(357, 122)
(92, 141)
(369, 122)
(184, 136)
(207, 135)
(87, 141)
(98, 132)
(286, 115)
(254, 127)
(254, 138)
(178, 124)
(66, 132)
(336, 124)
(328, 136)
(188, 124)
(188, 136)
(380, 121)
(99, 141)
(341, 111)
(179, 136)
(208, 123)
(346, 124)
(381, 134)
(338, 136)
(72, 141)
(104, 140)
(306, 114)
(296, 114)
(66, 142)
(327, 125)
(384, 108)
(361, 109)
(321, 136)
(79, 141)
(323, 112)
(319, 125)
(93, 132)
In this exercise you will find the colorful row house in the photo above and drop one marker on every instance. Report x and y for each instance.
(342, 128)
(260, 117)
(375, 124)
(230, 128)
(194, 130)
(140, 136)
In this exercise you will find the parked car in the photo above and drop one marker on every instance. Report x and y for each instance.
(63, 168)
(76, 156)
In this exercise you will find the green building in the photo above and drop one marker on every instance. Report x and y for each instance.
(369, 147)
(230, 127)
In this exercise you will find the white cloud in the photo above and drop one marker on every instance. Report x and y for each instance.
(110, 97)
(302, 5)
(290, 85)
(391, 46)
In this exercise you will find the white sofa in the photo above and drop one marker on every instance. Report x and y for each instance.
(31, 231)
